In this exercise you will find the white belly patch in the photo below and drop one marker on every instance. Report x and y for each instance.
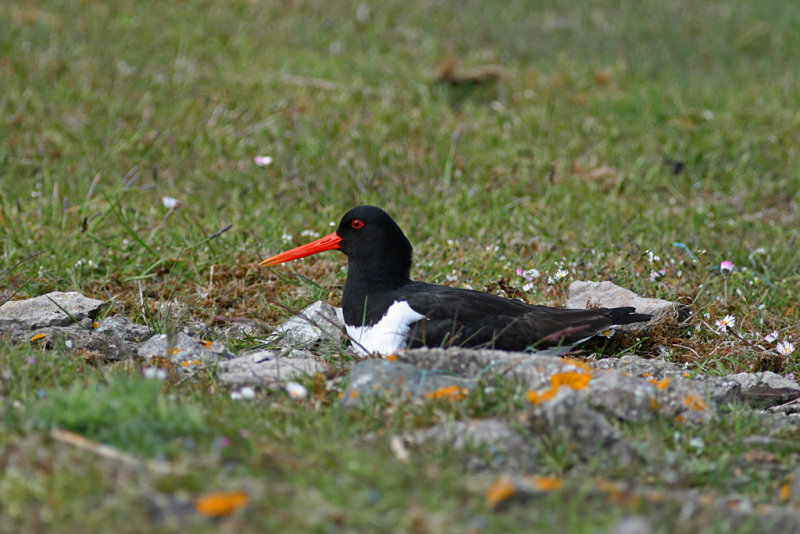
(387, 335)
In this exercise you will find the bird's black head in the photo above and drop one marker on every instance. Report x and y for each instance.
(372, 240)
(378, 251)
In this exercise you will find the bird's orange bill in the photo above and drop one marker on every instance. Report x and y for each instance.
(329, 242)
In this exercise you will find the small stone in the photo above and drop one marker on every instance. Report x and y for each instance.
(265, 369)
(184, 351)
(53, 309)
(319, 322)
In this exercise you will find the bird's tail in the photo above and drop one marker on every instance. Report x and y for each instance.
(627, 315)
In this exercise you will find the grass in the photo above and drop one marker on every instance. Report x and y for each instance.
(616, 129)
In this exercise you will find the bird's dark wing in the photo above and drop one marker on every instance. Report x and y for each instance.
(469, 318)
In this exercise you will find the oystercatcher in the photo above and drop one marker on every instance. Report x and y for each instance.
(384, 310)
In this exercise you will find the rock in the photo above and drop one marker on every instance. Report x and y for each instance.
(501, 445)
(53, 309)
(122, 327)
(369, 378)
(568, 418)
(632, 524)
(264, 368)
(115, 338)
(627, 398)
(319, 322)
(186, 352)
(759, 390)
(764, 388)
(794, 487)
(607, 295)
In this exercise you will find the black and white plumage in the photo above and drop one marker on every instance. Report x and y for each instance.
(384, 310)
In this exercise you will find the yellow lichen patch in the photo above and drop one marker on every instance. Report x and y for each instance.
(354, 394)
(571, 379)
(174, 350)
(548, 483)
(95, 325)
(448, 393)
(184, 364)
(577, 363)
(654, 404)
(652, 380)
(695, 402)
(687, 375)
(534, 397)
(220, 504)
(662, 384)
(502, 489)
(37, 337)
(646, 375)
(786, 490)
(392, 357)
(196, 362)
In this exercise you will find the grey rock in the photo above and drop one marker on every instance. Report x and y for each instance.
(122, 327)
(264, 368)
(632, 524)
(501, 445)
(319, 322)
(658, 369)
(184, 352)
(53, 309)
(794, 487)
(485, 363)
(605, 294)
(627, 398)
(759, 390)
(115, 338)
(764, 388)
(568, 417)
(395, 379)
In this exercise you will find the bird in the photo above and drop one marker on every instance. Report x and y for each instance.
(386, 311)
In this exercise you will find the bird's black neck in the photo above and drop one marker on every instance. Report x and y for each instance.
(370, 278)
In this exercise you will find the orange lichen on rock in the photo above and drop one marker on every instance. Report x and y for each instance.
(654, 404)
(448, 393)
(37, 337)
(220, 504)
(392, 357)
(570, 379)
(695, 402)
(548, 483)
(662, 384)
(786, 490)
(534, 397)
(502, 489)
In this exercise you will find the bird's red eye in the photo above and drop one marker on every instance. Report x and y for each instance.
(356, 224)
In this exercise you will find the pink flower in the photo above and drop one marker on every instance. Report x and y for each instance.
(657, 275)
(263, 161)
(771, 337)
(726, 267)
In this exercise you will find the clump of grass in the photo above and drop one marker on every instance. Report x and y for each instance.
(131, 413)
